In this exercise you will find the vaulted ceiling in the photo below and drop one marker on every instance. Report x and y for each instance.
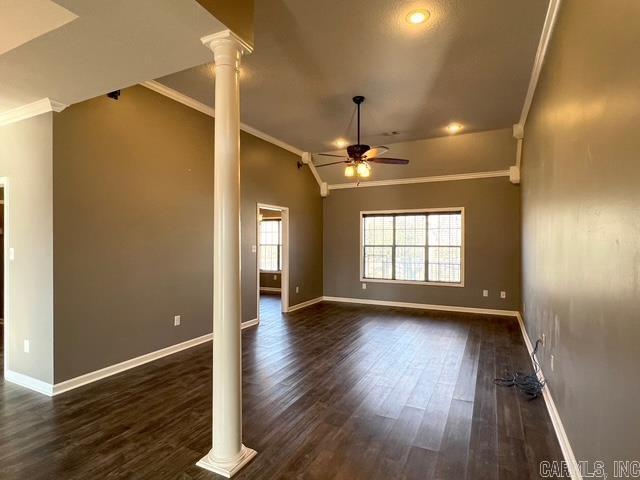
(72, 50)
(470, 63)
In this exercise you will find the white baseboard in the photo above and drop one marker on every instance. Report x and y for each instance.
(90, 377)
(58, 388)
(249, 323)
(28, 382)
(422, 306)
(308, 303)
(270, 289)
(565, 445)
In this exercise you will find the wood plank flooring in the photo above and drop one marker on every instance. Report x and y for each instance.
(333, 391)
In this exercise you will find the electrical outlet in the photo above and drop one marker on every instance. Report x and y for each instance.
(297, 289)
(275, 277)
(254, 249)
(364, 286)
(503, 294)
(485, 293)
(176, 320)
(552, 362)
(27, 347)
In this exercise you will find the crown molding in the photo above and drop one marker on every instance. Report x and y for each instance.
(210, 111)
(408, 181)
(44, 105)
(541, 53)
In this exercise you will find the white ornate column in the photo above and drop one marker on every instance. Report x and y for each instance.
(228, 454)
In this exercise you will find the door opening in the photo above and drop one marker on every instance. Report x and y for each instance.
(272, 258)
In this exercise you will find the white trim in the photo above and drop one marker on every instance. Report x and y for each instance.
(299, 306)
(541, 53)
(127, 364)
(565, 445)
(284, 274)
(408, 282)
(435, 178)
(6, 315)
(423, 306)
(44, 105)
(249, 323)
(28, 382)
(270, 289)
(178, 97)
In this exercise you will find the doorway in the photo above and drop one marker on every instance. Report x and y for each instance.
(272, 259)
(2, 281)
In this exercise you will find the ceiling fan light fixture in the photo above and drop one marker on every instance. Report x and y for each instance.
(350, 171)
(363, 170)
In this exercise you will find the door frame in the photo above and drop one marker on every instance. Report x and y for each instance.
(284, 274)
(4, 184)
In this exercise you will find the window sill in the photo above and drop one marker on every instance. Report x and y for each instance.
(411, 282)
(279, 272)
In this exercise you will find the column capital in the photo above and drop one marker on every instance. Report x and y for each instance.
(226, 38)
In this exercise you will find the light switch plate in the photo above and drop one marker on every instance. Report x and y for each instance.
(485, 293)
(503, 294)
(364, 286)
(254, 249)
(176, 320)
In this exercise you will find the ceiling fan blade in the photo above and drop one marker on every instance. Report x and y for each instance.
(330, 155)
(332, 163)
(374, 152)
(389, 161)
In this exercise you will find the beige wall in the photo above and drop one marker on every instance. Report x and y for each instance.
(26, 164)
(133, 193)
(581, 225)
(492, 241)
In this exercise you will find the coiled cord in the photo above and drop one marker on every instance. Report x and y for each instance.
(530, 385)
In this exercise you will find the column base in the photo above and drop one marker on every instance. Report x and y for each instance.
(227, 469)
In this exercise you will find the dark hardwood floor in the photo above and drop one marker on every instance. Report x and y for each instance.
(333, 391)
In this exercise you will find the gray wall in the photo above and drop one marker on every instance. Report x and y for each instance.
(133, 209)
(270, 280)
(581, 225)
(270, 176)
(463, 153)
(26, 162)
(492, 241)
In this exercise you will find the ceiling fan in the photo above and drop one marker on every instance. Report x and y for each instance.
(359, 157)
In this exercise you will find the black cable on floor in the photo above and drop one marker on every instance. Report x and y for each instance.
(530, 385)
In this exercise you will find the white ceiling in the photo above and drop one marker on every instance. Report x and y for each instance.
(470, 63)
(112, 44)
(24, 20)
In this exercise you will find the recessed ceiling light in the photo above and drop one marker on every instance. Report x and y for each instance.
(454, 128)
(416, 17)
(341, 143)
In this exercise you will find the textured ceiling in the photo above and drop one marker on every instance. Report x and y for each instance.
(112, 44)
(470, 63)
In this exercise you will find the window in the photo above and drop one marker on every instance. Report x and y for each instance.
(417, 246)
(271, 245)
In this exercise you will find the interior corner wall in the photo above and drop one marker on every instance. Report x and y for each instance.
(26, 149)
(581, 226)
(492, 241)
(133, 226)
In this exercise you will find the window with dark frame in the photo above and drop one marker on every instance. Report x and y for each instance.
(417, 246)
(271, 245)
